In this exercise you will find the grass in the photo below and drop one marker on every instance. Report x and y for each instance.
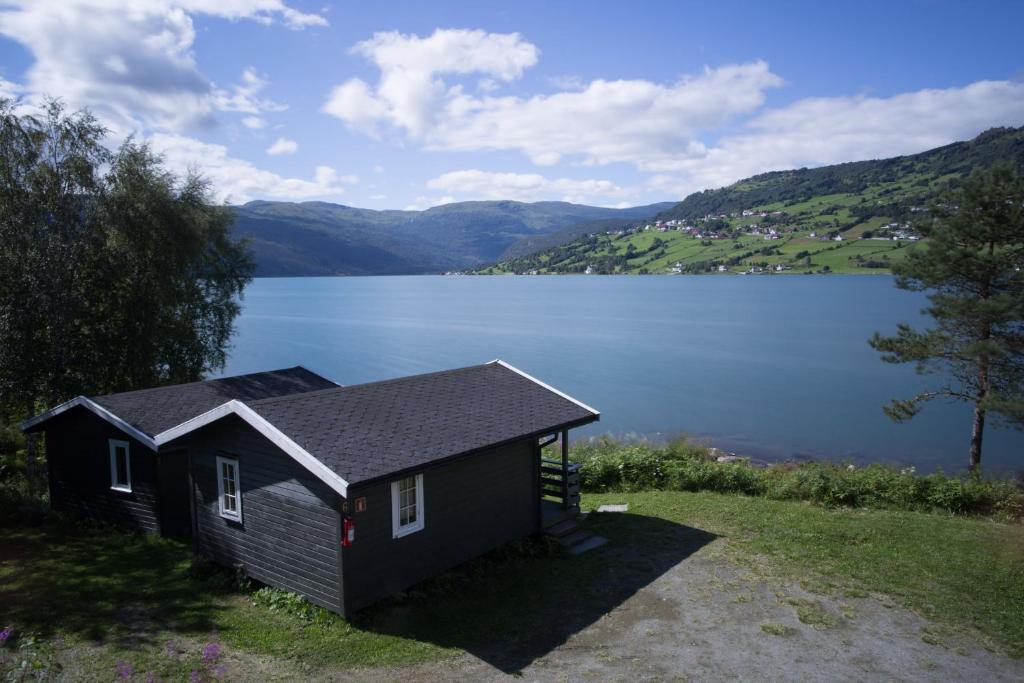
(90, 598)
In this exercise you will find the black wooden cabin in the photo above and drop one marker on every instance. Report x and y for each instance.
(341, 494)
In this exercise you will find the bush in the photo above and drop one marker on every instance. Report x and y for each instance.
(609, 465)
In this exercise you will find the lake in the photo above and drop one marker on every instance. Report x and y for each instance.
(768, 366)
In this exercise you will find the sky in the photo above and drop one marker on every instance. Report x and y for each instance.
(407, 105)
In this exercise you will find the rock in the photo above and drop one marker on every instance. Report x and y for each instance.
(614, 508)
(730, 458)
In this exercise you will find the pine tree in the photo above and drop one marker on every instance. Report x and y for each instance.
(971, 269)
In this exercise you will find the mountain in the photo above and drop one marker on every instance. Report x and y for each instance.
(318, 238)
(851, 217)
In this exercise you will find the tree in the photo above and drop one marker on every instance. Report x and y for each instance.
(971, 265)
(114, 273)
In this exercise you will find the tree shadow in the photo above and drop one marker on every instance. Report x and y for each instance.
(510, 608)
(102, 585)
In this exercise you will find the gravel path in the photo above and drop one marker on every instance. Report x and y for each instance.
(709, 617)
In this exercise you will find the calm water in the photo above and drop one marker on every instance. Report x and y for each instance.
(772, 367)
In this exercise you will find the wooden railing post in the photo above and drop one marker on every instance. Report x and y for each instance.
(565, 469)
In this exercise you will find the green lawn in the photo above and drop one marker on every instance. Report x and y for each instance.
(107, 597)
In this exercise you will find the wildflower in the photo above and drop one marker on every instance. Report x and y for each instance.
(219, 671)
(170, 650)
(194, 677)
(851, 467)
(211, 653)
(123, 669)
(5, 634)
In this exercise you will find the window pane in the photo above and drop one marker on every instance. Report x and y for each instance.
(121, 465)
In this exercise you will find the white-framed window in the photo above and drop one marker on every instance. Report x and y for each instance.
(120, 466)
(229, 489)
(407, 505)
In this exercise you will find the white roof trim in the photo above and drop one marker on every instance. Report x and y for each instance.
(261, 425)
(546, 386)
(89, 404)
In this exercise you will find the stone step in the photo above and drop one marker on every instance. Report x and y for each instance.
(576, 537)
(594, 541)
(566, 526)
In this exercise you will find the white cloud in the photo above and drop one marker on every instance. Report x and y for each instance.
(254, 122)
(634, 121)
(410, 92)
(244, 96)
(236, 180)
(283, 146)
(527, 187)
(423, 203)
(829, 130)
(132, 63)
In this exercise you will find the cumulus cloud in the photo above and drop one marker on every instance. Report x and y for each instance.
(254, 122)
(244, 96)
(236, 180)
(410, 92)
(601, 122)
(527, 187)
(283, 146)
(829, 130)
(133, 64)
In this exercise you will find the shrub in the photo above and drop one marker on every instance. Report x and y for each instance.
(609, 465)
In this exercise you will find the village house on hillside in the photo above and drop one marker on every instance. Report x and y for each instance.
(341, 494)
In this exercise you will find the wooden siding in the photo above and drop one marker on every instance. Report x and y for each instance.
(470, 506)
(78, 458)
(289, 535)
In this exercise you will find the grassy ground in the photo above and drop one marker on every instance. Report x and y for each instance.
(91, 599)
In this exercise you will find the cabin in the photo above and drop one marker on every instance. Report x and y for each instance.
(343, 494)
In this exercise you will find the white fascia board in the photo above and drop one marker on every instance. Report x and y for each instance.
(550, 388)
(272, 433)
(89, 404)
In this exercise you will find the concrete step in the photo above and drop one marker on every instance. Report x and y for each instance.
(574, 538)
(594, 541)
(566, 526)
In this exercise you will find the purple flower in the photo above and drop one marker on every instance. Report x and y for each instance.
(211, 653)
(219, 671)
(5, 634)
(124, 669)
(194, 677)
(170, 650)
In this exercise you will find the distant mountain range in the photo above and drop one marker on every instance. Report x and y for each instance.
(318, 238)
(851, 217)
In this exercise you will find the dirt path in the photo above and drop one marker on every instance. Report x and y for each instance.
(709, 618)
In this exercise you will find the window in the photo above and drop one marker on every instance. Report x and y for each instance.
(228, 490)
(407, 505)
(120, 466)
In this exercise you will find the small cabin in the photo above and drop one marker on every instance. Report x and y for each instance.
(342, 494)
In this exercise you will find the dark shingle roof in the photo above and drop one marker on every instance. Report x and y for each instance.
(160, 408)
(370, 430)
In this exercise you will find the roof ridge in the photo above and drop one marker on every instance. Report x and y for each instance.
(206, 381)
(393, 380)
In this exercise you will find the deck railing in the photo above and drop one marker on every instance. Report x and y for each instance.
(559, 483)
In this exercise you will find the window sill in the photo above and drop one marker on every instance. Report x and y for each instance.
(121, 489)
(406, 530)
(231, 518)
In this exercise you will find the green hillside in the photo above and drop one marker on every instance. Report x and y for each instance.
(856, 217)
(319, 238)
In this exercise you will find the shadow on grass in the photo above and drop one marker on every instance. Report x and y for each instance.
(510, 609)
(101, 585)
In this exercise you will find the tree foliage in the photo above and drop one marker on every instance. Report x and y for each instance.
(971, 268)
(114, 273)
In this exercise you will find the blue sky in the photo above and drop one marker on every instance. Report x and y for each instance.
(403, 105)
